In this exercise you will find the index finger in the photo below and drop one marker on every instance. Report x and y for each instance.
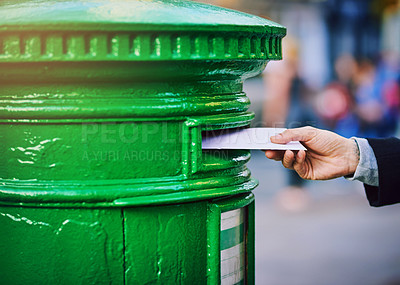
(303, 134)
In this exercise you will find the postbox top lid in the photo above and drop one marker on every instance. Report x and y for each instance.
(125, 14)
(132, 30)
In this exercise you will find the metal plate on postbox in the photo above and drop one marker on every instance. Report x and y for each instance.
(232, 247)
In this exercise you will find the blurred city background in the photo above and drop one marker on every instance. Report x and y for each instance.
(340, 72)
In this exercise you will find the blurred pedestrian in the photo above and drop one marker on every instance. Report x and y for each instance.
(288, 104)
(378, 99)
(335, 103)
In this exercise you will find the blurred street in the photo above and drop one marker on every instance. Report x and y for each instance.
(337, 238)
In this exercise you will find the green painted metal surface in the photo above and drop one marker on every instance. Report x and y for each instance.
(102, 109)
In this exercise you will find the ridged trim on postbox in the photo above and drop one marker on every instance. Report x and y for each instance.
(104, 103)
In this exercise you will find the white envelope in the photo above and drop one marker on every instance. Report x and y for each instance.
(252, 138)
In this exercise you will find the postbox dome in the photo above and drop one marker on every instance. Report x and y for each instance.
(173, 13)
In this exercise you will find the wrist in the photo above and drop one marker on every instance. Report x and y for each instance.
(353, 157)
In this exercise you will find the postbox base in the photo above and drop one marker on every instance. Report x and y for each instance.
(200, 242)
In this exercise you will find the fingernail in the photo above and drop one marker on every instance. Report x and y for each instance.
(278, 137)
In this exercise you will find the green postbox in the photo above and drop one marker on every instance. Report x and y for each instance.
(103, 105)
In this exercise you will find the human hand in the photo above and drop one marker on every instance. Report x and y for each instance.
(328, 155)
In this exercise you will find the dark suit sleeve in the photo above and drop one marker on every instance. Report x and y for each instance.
(387, 153)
